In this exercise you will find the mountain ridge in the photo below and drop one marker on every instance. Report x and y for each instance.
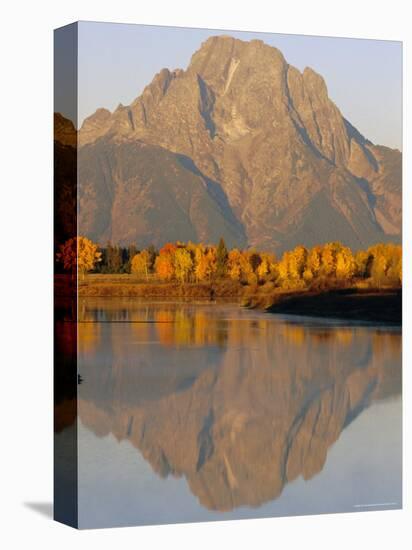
(265, 140)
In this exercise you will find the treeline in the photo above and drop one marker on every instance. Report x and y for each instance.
(321, 267)
(118, 259)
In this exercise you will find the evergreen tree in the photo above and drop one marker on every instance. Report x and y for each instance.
(130, 254)
(114, 258)
(222, 256)
(152, 257)
(255, 260)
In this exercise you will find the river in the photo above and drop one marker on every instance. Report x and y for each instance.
(205, 411)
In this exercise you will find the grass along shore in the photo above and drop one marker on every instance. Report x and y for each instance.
(126, 285)
(382, 305)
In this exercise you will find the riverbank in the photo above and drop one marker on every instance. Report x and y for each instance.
(362, 304)
(128, 286)
(380, 306)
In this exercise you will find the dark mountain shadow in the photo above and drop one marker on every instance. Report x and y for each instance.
(216, 192)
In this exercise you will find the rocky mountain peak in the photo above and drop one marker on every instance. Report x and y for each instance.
(269, 144)
(314, 81)
(221, 57)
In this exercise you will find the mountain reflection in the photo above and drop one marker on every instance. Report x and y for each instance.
(238, 403)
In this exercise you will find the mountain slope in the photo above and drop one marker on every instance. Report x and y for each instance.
(282, 165)
(133, 192)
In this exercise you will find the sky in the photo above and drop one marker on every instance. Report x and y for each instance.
(364, 77)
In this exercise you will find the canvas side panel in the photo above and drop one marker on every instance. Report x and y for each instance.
(65, 276)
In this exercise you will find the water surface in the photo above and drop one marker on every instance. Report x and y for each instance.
(192, 412)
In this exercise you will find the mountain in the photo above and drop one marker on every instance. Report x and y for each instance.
(240, 145)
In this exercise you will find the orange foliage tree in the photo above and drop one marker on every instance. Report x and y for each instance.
(330, 265)
(79, 253)
(164, 264)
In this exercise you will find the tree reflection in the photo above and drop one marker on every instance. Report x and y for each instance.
(238, 406)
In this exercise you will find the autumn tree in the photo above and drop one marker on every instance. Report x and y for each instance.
(79, 253)
(141, 264)
(378, 271)
(164, 263)
(328, 260)
(394, 271)
(247, 274)
(313, 262)
(183, 264)
(297, 262)
(345, 264)
(211, 260)
(233, 264)
(385, 265)
(323, 266)
(292, 267)
(201, 269)
(164, 268)
(362, 263)
(263, 270)
(168, 248)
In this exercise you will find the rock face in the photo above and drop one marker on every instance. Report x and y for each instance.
(242, 145)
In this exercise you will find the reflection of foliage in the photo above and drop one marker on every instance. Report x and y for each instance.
(241, 402)
(179, 326)
(88, 337)
(80, 253)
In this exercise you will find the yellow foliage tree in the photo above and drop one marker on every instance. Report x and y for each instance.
(345, 264)
(79, 253)
(246, 269)
(379, 268)
(328, 261)
(207, 266)
(314, 260)
(201, 269)
(234, 268)
(362, 259)
(385, 264)
(291, 268)
(141, 263)
(183, 264)
(297, 260)
(263, 269)
(283, 267)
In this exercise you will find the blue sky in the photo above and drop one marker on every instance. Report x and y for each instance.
(364, 77)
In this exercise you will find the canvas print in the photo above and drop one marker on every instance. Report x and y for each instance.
(228, 275)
